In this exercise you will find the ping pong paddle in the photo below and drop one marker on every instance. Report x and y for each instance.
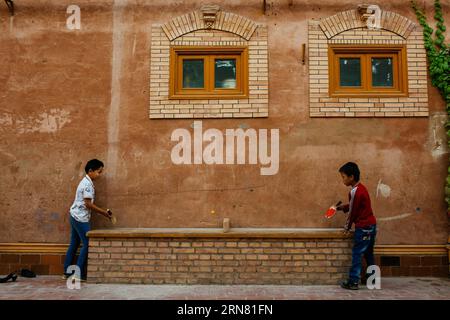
(112, 218)
(332, 210)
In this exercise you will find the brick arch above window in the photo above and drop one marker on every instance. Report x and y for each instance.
(209, 34)
(224, 21)
(344, 36)
(348, 20)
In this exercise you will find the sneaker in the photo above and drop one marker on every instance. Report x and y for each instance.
(66, 276)
(349, 285)
(364, 279)
(82, 279)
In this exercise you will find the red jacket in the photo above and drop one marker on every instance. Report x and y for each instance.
(360, 208)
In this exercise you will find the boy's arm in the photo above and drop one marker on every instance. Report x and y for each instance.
(356, 210)
(343, 207)
(92, 206)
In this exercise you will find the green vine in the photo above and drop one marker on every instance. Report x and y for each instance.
(438, 54)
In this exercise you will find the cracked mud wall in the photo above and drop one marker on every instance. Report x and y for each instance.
(67, 96)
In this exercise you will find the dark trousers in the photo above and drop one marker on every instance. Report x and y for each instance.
(78, 235)
(364, 241)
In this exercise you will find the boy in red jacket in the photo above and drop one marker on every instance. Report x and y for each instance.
(360, 213)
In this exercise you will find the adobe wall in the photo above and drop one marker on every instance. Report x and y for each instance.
(71, 95)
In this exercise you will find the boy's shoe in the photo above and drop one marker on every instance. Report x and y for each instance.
(82, 279)
(347, 284)
(364, 279)
(66, 276)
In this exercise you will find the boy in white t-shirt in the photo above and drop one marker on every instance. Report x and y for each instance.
(80, 215)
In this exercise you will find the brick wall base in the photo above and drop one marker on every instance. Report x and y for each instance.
(218, 261)
(413, 265)
(186, 260)
(41, 264)
(409, 265)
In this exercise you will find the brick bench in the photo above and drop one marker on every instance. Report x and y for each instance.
(210, 256)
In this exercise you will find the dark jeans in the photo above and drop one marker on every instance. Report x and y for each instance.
(78, 235)
(364, 241)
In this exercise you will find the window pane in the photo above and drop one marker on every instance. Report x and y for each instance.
(225, 73)
(350, 72)
(382, 72)
(193, 73)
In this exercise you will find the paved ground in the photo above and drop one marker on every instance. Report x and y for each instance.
(52, 287)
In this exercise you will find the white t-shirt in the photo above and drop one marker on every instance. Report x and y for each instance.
(78, 209)
(352, 197)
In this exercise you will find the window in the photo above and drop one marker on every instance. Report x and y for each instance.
(369, 71)
(208, 73)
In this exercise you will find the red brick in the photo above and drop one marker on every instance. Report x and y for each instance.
(92, 268)
(160, 244)
(130, 244)
(132, 250)
(40, 269)
(30, 258)
(4, 269)
(52, 259)
(386, 271)
(408, 261)
(420, 271)
(185, 244)
(400, 271)
(208, 244)
(9, 258)
(441, 271)
(183, 250)
(161, 250)
(205, 250)
(56, 269)
(430, 260)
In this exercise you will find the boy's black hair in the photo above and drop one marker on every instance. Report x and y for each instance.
(351, 169)
(93, 165)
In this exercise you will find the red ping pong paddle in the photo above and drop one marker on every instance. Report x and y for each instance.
(332, 210)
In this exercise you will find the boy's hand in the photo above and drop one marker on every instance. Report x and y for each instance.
(108, 213)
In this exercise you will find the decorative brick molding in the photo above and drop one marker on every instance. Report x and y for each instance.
(347, 28)
(224, 21)
(347, 20)
(228, 29)
(41, 258)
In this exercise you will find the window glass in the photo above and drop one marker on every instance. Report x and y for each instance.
(193, 74)
(225, 73)
(350, 72)
(382, 73)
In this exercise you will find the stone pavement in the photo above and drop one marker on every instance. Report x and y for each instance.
(53, 287)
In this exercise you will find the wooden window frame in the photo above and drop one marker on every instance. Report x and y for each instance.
(366, 52)
(179, 53)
